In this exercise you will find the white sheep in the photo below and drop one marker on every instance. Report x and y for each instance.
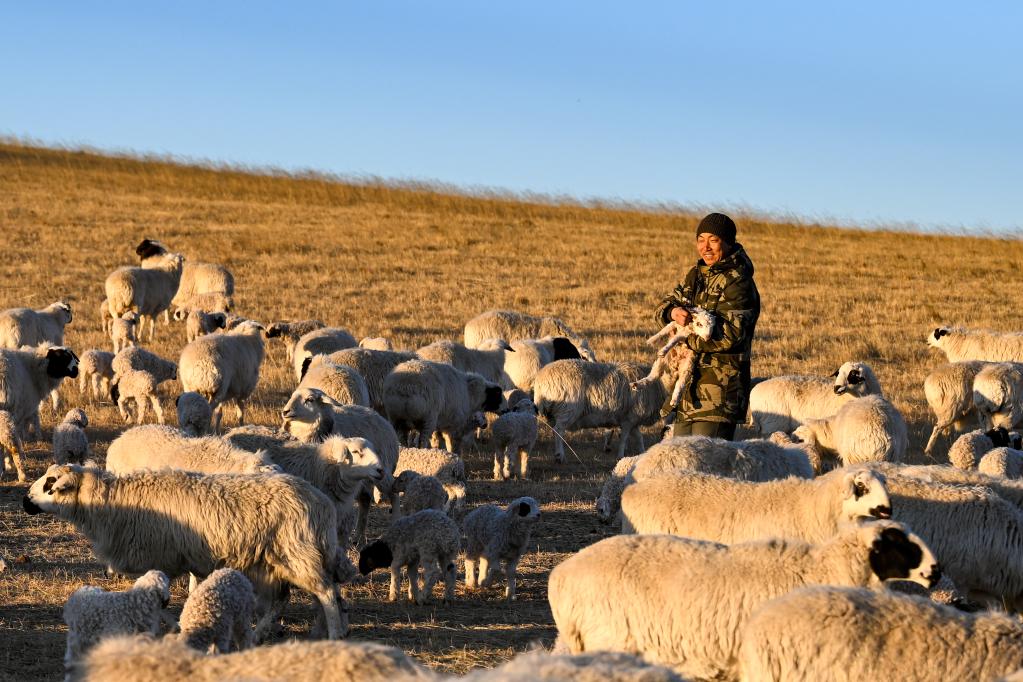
(674, 356)
(163, 447)
(277, 530)
(446, 467)
(290, 332)
(428, 538)
(148, 291)
(222, 367)
(198, 322)
(96, 368)
(10, 445)
(961, 345)
(1003, 462)
(140, 386)
(784, 403)
(420, 492)
(70, 444)
(798, 638)
(320, 342)
(376, 343)
(868, 429)
(194, 414)
(683, 603)
(140, 358)
(27, 377)
(531, 355)
(998, 395)
(597, 666)
(340, 382)
(968, 448)
(494, 535)
(949, 393)
(514, 436)
(511, 325)
(26, 327)
(374, 366)
(725, 510)
(609, 503)
(1009, 489)
(219, 612)
(487, 359)
(92, 614)
(123, 331)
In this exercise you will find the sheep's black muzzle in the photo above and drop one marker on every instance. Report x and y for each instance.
(31, 508)
(839, 390)
(882, 512)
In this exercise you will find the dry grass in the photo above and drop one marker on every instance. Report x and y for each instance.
(414, 264)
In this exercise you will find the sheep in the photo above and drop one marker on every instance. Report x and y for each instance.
(949, 393)
(1003, 462)
(1009, 489)
(374, 366)
(320, 342)
(446, 467)
(197, 279)
(725, 510)
(961, 345)
(70, 444)
(277, 530)
(340, 382)
(998, 395)
(28, 376)
(433, 397)
(26, 327)
(597, 666)
(531, 355)
(610, 501)
(420, 492)
(198, 322)
(868, 429)
(194, 414)
(676, 358)
(514, 436)
(141, 659)
(683, 603)
(123, 331)
(487, 359)
(91, 613)
(821, 633)
(967, 450)
(428, 537)
(575, 394)
(140, 386)
(376, 343)
(105, 318)
(148, 291)
(494, 535)
(164, 447)
(218, 612)
(11, 445)
(784, 403)
(140, 358)
(96, 368)
(511, 325)
(291, 332)
(222, 367)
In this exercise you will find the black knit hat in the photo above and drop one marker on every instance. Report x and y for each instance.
(717, 224)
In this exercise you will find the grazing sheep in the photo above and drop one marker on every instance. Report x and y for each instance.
(949, 392)
(277, 530)
(968, 448)
(610, 501)
(797, 637)
(320, 342)
(222, 367)
(511, 325)
(70, 444)
(164, 447)
(998, 395)
(531, 355)
(1010, 490)
(961, 345)
(140, 386)
(105, 318)
(198, 322)
(123, 331)
(91, 613)
(140, 358)
(376, 343)
(27, 377)
(446, 467)
(784, 403)
(487, 359)
(219, 612)
(419, 492)
(340, 382)
(494, 535)
(428, 537)
(291, 332)
(514, 435)
(683, 603)
(1003, 462)
(26, 327)
(373, 366)
(194, 414)
(148, 291)
(96, 368)
(868, 429)
(706, 507)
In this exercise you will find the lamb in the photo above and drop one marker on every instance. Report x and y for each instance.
(868, 429)
(511, 325)
(1003, 462)
(679, 359)
(123, 331)
(446, 467)
(949, 392)
(428, 537)
(420, 492)
(487, 359)
(291, 332)
(148, 291)
(277, 530)
(140, 358)
(219, 612)
(796, 637)
(494, 535)
(967, 450)
(961, 345)
(784, 403)
(28, 376)
(222, 367)
(514, 435)
(531, 355)
(683, 603)
(26, 327)
(197, 279)
(433, 397)
(340, 382)
(96, 368)
(610, 501)
(320, 342)
(198, 322)
(164, 447)
(374, 366)
(140, 386)
(70, 444)
(376, 343)
(575, 394)
(708, 507)
(998, 395)
(91, 613)
(194, 414)
(599, 666)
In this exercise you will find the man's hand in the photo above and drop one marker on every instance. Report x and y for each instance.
(680, 315)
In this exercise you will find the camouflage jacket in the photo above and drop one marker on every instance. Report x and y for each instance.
(719, 389)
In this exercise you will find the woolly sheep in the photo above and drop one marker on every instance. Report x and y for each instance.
(198, 322)
(123, 331)
(340, 382)
(683, 603)
(28, 376)
(277, 530)
(949, 393)
(429, 538)
(374, 366)
(511, 325)
(598, 666)
(376, 343)
(494, 535)
(148, 291)
(140, 386)
(197, 279)
(163, 447)
(868, 429)
(26, 327)
(610, 501)
(446, 467)
(219, 612)
(1003, 462)
(140, 358)
(291, 332)
(725, 510)
(222, 367)
(487, 359)
(531, 355)
(420, 492)
(878, 636)
(1010, 490)
(961, 345)
(70, 444)
(10, 443)
(91, 613)
(320, 342)
(96, 368)
(750, 460)
(194, 414)
(998, 395)
(514, 436)
(968, 448)
(784, 403)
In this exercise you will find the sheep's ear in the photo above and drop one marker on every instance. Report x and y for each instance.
(894, 555)
(63, 483)
(305, 365)
(834, 375)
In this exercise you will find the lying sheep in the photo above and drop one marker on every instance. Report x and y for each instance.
(446, 467)
(140, 386)
(10, 444)
(868, 429)
(222, 367)
(340, 382)
(148, 291)
(1003, 462)
(998, 395)
(194, 414)
(798, 638)
(725, 510)
(27, 377)
(511, 325)
(198, 322)
(374, 366)
(487, 359)
(219, 612)
(419, 492)
(70, 444)
(494, 535)
(291, 332)
(531, 355)
(277, 530)
(376, 343)
(123, 331)
(429, 538)
(961, 345)
(786, 402)
(599, 666)
(514, 435)
(320, 342)
(968, 449)
(683, 603)
(26, 327)
(140, 358)
(164, 447)
(949, 392)
(91, 613)
(96, 368)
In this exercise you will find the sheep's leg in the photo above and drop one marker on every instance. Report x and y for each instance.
(217, 414)
(639, 439)
(156, 408)
(122, 405)
(470, 574)
(81, 382)
(523, 463)
(560, 428)
(193, 582)
(392, 593)
(95, 380)
(330, 602)
(243, 638)
(275, 604)
(484, 572)
(140, 404)
(509, 571)
(359, 538)
(166, 317)
(449, 582)
(431, 574)
(414, 594)
(497, 465)
(55, 399)
(624, 440)
(936, 432)
(239, 406)
(15, 455)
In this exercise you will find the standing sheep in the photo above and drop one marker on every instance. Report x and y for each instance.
(219, 612)
(340, 382)
(998, 395)
(222, 367)
(197, 278)
(511, 325)
(487, 359)
(419, 492)
(494, 535)
(123, 331)
(868, 429)
(11, 446)
(27, 377)
(291, 332)
(198, 322)
(97, 369)
(140, 386)
(949, 393)
(960, 345)
(194, 414)
(140, 358)
(374, 366)
(446, 467)
(148, 291)
(105, 318)
(514, 436)
(164, 447)
(320, 342)
(70, 444)
(531, 355)
(26, 327)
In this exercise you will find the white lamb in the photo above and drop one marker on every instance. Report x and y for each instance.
(446, 467)
(679, 358)
(26, 327)
(198, 322)
(514, 436)
(610, 501)
(222, 367)
(998, 395)
(968, 448)
(194, 414)
(320, 342)
(949, 393)
(1003, 462)
(96, 368)
(219, 612)
(163, 447)
(123, 331)
(70, 444)
(141, 387)
(140, 358)
(494, 535)
(960, 344)
(531, 355)
(511, 325)
(420, 492)
(868, 429)
(10, 446)
(340, 382)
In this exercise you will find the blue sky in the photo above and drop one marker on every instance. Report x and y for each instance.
(874, 112)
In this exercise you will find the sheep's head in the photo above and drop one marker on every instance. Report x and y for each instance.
(524, 509)
(77, 417)
(148, 248)
(564, 349)
(863, 493)
(934, 339)
(246, 328)
(897, 554)
(65, 309)
(131, 317)
(702, 322)
(308, 409)
(355, 452)
(57, 488)
(495, 344)
(180, 314)
(852, 377)
(61, 362)
(217, 320)
(376, 554)
(158, 582)
(275, 330)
